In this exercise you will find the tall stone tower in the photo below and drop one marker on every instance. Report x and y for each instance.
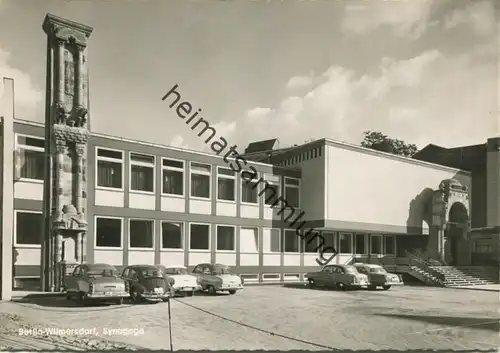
(66, 136)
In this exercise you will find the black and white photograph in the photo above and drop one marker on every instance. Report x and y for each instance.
(234, 175)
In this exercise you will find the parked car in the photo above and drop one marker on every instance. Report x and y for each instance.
(147, 283)
(180, 280)
(96, 282)
(338, 276)
(378, 276)
(217, 278)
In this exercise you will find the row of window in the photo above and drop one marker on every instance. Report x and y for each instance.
(109, 234)
(109, 175)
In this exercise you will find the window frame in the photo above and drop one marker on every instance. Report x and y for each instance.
(366, 250)
(381, 243)
(107, 159)
(141, 164)
(153, 234)
(270, 252)
(18, 147)
(177, 170)
(210, 191)
(339, 234)
(259, 240)
(286, 185)
(393, 244)
(216, 239)
(209, 237)
(229, 177)
(298, 242)
(122, 221)
(256, 179)
(268, 178)
(183, 236)
(15, 244)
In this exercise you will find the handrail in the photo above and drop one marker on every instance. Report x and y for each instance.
(425, 266)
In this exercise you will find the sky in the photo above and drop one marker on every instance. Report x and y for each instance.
(421, 71)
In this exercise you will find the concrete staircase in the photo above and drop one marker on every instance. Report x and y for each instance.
(460, 276)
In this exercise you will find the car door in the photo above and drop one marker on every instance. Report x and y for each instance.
(70, 282)
(336, 275)
(197, 272)
(126, 276)
(324, 276)
(207, 274)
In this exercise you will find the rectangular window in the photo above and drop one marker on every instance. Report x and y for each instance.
(272, 193)
(225, 238)
(375, 244)
(171, 235)
(345, 240)
(390, 244)
(142, 172)
(292, 192)
(330, 241)
(311, 241)
(483, 246)
(30, 157)
(271, 240)
(291, 241)
(361, 248)
(199, 237)
(173, 177)
(109, 168)
(249, 191)
(226, 184)
(108, 232)
(29, 228)
(141, 233)
(249, 240)
(200, 180)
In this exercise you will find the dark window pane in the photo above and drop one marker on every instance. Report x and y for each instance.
(32, 164)
(389, 244)
(173, 182)
(141, 233)
(249, 192)
(376, 244)
(108, 232)
(142, 158)
(292, 196)
(200, 185)
(171, 235)
(291, 241)
(345, 243)
(226, 189)
(109, 174)
(271, 194)
(109, 154)
(31, 141)
(360, 244)
(29, 228)
(173, 163)
(224, 171)
(199, 237)
(225, 238)
(142, 178)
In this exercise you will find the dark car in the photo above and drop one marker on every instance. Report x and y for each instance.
(147, 283)
(378, 276)
(337, 276)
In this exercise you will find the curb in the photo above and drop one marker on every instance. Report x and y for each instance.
(37, 296)
(478, 289)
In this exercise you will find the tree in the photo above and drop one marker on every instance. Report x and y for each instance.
(380, 142)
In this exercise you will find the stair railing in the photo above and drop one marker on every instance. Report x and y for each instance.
(426, 267)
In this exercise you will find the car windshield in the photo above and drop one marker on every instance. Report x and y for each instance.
(102, 272)
(223, 270)
(176, 271)
(351, 269)
(151, 273)
(377, 270)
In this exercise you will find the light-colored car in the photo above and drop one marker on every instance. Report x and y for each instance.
(378, 276)
(147, 283)
(96, 282)
(181, 281)
(338, 276)
(217, 278)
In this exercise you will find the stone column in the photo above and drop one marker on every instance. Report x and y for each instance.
(78, 247)
(79, 151)
(441, 243)
(60, 70)
(79, 76)
(59, 247)
(60, 152)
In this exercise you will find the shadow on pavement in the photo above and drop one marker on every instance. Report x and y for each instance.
(488, 324)
(56, 300)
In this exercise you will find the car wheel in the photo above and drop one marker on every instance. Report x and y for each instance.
(119, 301)
(83, 300)
(386, 287)
(312, 284)
(341, 286)
(372, 287)
(211, 290)
(232, 291)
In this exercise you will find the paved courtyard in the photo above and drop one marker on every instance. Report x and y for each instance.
(275, 317)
